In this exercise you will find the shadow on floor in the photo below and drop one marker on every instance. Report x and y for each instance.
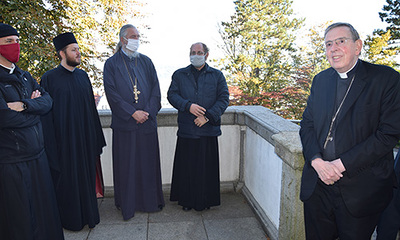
(233, 220)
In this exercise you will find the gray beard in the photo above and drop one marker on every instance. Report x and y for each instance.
(130, 53)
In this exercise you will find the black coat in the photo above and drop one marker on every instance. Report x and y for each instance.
(367, 130)
(210, 91)
(21, 137)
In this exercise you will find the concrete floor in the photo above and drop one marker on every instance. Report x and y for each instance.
(233, 220)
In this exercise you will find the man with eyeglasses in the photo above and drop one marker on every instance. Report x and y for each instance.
(28, 206)
(200, 94)
(348, 132)
(73, 136)
(133, 92)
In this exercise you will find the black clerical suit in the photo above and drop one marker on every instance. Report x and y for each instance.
(366, 130)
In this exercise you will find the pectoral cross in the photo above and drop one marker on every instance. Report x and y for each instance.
(136, 92)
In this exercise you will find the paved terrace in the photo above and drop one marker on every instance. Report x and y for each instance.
(233, 220)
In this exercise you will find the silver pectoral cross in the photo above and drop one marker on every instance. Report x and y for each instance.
(136, 92)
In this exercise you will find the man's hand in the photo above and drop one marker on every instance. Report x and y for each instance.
(36, 94)
(140, 116)
(200, 121)
(197, 110)
(16, 106)
(328, 172)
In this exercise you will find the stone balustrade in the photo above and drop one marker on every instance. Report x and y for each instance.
(260, 155)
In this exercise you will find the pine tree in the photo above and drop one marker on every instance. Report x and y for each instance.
(259, 44)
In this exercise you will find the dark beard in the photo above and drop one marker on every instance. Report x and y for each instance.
(71, 62)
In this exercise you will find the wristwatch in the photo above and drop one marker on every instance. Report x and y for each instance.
(24, 107)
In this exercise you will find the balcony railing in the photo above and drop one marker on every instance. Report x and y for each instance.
(260, 155)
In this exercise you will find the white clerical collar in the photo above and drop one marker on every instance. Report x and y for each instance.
(344, 75)
(12, 68)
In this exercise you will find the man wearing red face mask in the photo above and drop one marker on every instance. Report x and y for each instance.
(28, 208)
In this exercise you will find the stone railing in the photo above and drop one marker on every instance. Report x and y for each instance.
(260, 155)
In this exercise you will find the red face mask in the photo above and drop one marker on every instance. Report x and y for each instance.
(10, 52)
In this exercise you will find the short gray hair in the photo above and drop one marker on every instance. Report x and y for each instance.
(354, 34)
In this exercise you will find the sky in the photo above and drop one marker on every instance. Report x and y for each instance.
(176, 24)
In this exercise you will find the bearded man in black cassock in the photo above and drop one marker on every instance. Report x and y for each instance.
(73, 136)
(133, 92)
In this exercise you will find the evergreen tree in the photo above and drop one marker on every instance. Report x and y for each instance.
(391, 15)
(259, 45)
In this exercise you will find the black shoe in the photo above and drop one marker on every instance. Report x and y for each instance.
(186, 209)
(160, 207)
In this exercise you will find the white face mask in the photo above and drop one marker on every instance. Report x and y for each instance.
(133, 44)
(198, 60)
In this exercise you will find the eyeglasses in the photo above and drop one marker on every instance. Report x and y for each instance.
(339, 42)
(196, 53)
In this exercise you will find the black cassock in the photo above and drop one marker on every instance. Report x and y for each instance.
(73, 142)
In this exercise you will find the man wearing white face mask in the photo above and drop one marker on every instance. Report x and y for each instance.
(133, 92)
(201, 95)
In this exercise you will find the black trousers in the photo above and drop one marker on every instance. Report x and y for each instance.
(389, 222)
(326, 217)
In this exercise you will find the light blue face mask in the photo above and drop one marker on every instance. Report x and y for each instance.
(198, 60)
(132, 45)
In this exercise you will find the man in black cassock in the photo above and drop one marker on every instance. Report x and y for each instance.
(73, 136)
(133, 92)
(201, 95)
(28, 206)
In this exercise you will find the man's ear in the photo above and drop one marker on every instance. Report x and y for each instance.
(62, 54)
(358, 47)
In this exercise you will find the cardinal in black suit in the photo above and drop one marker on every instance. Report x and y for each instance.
(348, 132)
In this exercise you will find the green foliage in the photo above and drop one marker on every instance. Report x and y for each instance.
(378, 50)
(258, 42)
(314, 59)
(391, 15)
(95, 24)
(309, 61)
(37, 24)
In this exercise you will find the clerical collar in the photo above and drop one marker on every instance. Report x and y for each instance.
(12, 68)
(347, 74)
